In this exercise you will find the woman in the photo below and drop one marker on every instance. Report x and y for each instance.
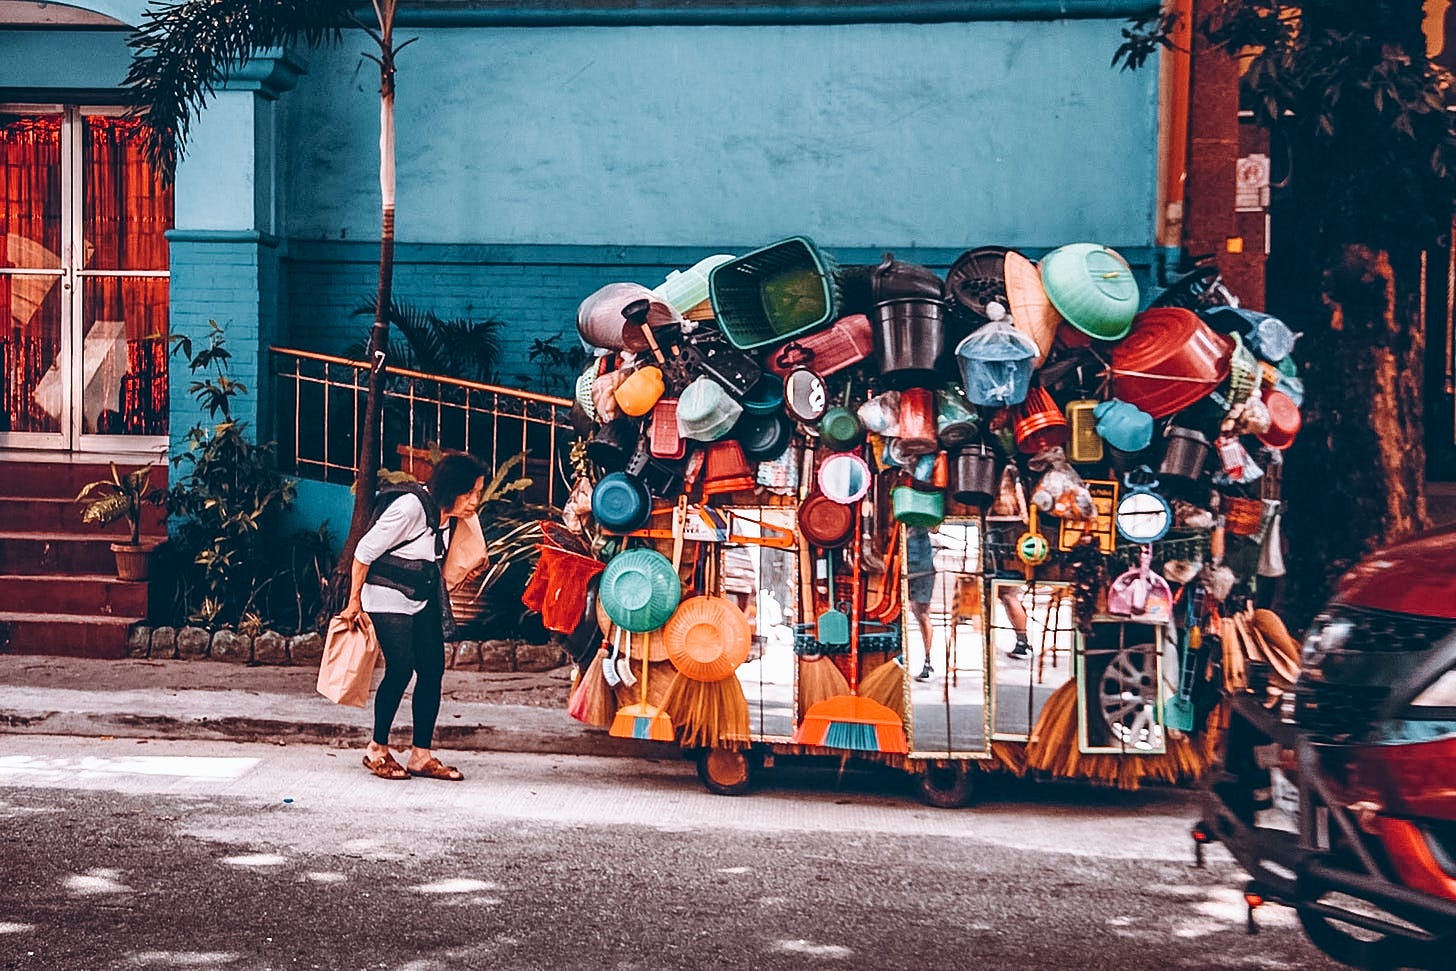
(408, 624)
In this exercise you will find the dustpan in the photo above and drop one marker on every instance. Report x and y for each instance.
(853, 722)
(642, 720)
(1140, 594)
(1178, 710)
(832, 626)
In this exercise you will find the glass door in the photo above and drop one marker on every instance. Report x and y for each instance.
(83, 272)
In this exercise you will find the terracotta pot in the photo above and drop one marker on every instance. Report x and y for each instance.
(133, 561)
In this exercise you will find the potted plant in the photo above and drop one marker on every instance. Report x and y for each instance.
(107, 500)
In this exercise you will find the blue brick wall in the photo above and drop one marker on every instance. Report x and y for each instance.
(229, 277)
(535, 290)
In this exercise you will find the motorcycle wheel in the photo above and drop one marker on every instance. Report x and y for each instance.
(1359, 948)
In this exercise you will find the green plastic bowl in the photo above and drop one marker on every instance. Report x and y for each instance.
(640, 590)
(916, 508)
(1093, 288)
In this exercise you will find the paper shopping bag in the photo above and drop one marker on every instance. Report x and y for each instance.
(347, 670)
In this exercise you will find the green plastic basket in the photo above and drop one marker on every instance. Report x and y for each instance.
(773, 294)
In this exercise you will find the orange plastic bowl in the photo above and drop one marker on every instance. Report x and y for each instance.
(707, 638)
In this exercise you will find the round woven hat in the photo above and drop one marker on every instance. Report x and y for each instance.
(707, 638)
(640, 590)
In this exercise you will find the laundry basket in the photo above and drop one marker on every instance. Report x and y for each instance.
(774, 293)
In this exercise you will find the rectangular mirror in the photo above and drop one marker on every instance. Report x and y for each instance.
(945, 640)
(1033, 644)
(1120, 707)
(764, 583)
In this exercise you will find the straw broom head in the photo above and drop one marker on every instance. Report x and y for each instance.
(593, 702)
(708, 714)
(886, 684)
(819, 680)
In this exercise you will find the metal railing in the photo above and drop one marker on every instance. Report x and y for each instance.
(319, 416)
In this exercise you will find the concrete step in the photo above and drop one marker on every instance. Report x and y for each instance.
(29, 513)
(87, 595)
(50, 553)
(62, 480)
(64, 635)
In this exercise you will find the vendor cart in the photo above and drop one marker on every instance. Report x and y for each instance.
(868, 513)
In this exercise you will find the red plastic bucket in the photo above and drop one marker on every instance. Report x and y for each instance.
(1038, 423)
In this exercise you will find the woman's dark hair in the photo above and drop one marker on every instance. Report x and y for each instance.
(453, 477)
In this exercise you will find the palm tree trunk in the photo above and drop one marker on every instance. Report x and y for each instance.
(367, 459)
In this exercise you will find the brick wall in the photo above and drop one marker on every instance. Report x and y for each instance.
(535, 290)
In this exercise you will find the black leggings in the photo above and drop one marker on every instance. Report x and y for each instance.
(411, 644)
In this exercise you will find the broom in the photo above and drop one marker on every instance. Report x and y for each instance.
(886, 685)
(642, 720)
(708, 714)
(1054, 749)
(819, 679)
(851, 721)
(592, 700)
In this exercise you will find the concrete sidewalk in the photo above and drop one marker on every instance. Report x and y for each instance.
(199, 699)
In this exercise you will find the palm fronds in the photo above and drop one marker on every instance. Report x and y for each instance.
(181, 51)
(457, 347)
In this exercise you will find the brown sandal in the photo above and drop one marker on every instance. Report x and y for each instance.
(385, 767)
(435, 769)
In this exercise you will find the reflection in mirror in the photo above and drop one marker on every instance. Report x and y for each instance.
(1121, 708)
(1033, 641)
(764, 582)
(945, 650)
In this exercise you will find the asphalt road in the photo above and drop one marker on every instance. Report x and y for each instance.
(127, 854)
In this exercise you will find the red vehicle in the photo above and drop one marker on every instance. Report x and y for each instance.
(1342, 802)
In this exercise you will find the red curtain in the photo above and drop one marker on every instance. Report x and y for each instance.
(126, 213)
(30, 238)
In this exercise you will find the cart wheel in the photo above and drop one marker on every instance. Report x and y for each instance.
(725, 771)
(946, 786)
(1361, 948)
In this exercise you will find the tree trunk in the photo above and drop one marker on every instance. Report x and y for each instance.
(1355, 480)
(367, 460)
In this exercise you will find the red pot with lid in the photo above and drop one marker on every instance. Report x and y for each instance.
(1170, 360)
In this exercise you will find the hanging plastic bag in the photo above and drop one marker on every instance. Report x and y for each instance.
(996, 361)
(347, 669)
(1061, 492)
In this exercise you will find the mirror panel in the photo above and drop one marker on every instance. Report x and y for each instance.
(1121, 706)
(764, 582)
(1033, 648)
(944, 640)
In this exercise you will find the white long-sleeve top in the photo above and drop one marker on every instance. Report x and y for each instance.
(403, 519)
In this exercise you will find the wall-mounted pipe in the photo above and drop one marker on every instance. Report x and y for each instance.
(688, 14)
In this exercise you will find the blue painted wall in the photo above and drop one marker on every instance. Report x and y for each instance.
(622, 152)
(94, 59)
